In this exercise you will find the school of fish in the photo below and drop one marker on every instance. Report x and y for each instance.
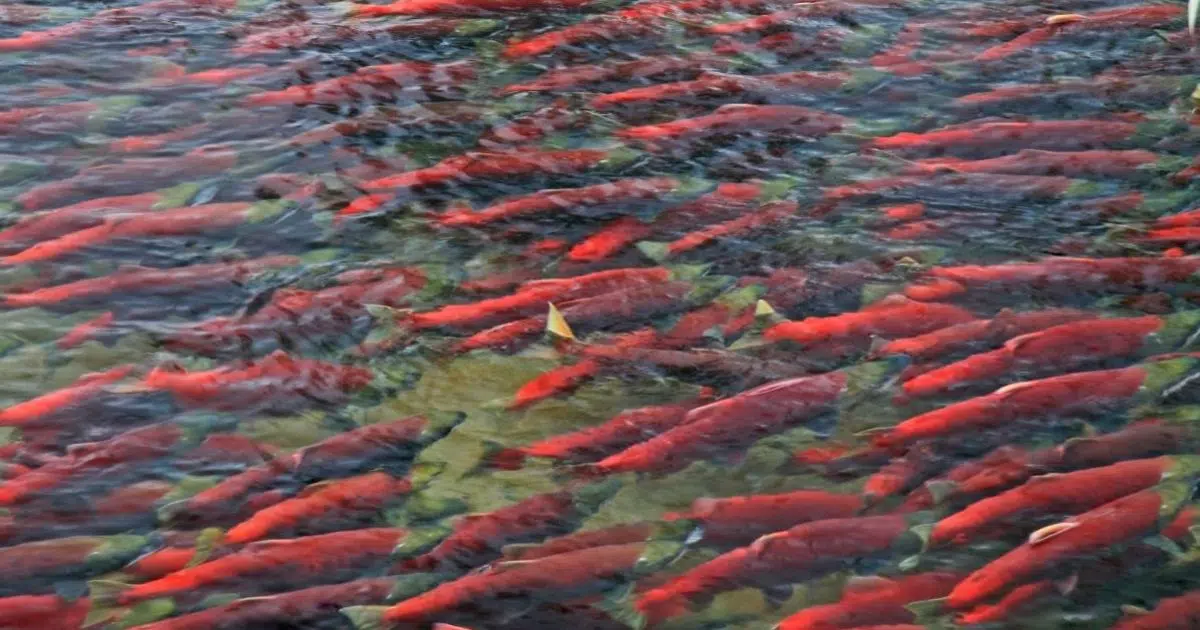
(599, 314)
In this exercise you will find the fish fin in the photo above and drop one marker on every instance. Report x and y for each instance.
(70, 591)
(777, 595)
(763, 309)
(655, 250)
(923, 531)
(1134, 611)
(419, 541)
(619, 604)
(208, 540)
(515, 551)
(859, 585)
(365, 617)
(1067, 585)
(147, 612)
(441, 423)
(877, 344)
(688, 272)
(496, 456)
(873, 431)
(1165, 545)
(132, 388)
(926, 608)
(1050, 531)
(509, 616)
(910, 563)
(588, 498)
(557, 326)
(749, 341)
(105, 592)
(421, 474)
(940, 489)
(100, 616)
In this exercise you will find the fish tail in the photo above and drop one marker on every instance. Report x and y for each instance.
(106, 593)
(366, 617)
(654, 250)
(502, 458)
(586, 472)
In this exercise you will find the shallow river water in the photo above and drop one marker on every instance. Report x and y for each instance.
(526, 314)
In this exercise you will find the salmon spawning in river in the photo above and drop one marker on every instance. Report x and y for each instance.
(599, 314)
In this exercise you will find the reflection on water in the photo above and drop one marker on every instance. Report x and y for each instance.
(558, 313)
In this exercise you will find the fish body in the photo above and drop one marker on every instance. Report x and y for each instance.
(338, 501)
(1093, 531)
(270, 565)
(1052, 494)
(873, 602)
(803, 552)
(740, 520)
(477, 539)
(573, 573)
(730, 424)
(276, 381)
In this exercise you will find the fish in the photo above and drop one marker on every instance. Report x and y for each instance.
(1089, 164)
(277, 381)
(724, 203)
(324, 505)
(738, 118)
(266, 566)
(1105, 274)
(1128, 517)
(573, 573)
(1059, 347)
(146, 280)
(617, 308)
(564, 199)
(85, 332)
(587, 539)
(1015, 601)
(736, 521)
(35, 567)
(1078, 391)
(478, 538)
(873, 600)
(639, 20)
(715, 85)
(300, 314)
(570, 78)
(1145, 16)
(136, 445)
(794, 555)
(367, 83)
(1057, 493)
(57, 222)
(721, 426)
(765, 215)
(38, 40)
(391, 444)
(980, 332)
(891, 317)
(499, 165)
(1169, 612)
(593, 443)
(993, 137)
(469, 9)
(130, 175)
(306, 605)
(48, 612)
(161, 223)
(45, 408)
